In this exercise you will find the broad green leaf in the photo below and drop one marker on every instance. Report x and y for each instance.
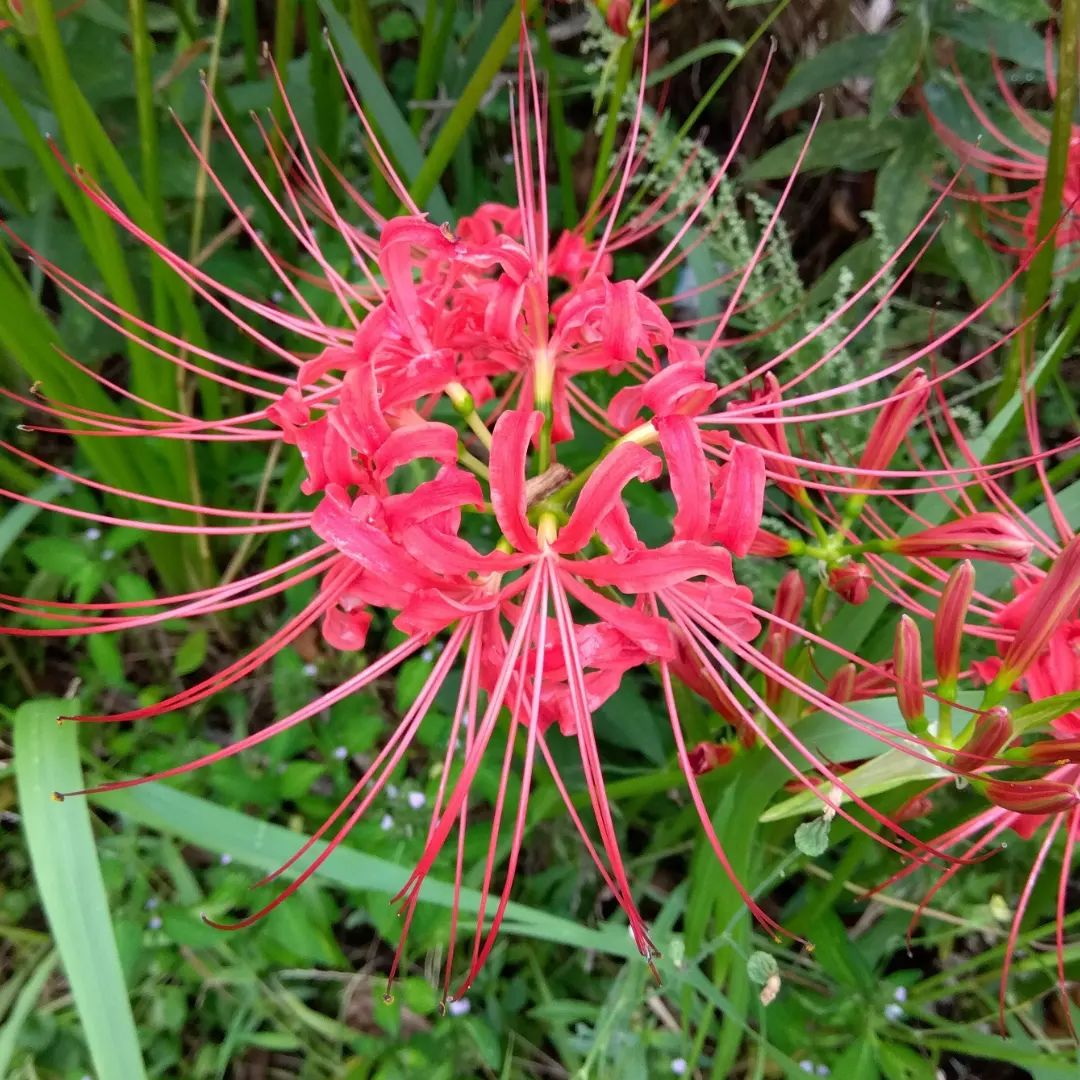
(263, 846)
(1015, 10)
(898, 66)
(21, 514)
(857, 55)
(999, 37)
(879, 774)
(1038, 713)
(847, 143)
(56, 554)
(974, 259)
(191, 653)
(902, 188)
(61, 845)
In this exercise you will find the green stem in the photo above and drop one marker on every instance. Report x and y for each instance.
(1039, 279)
(453, 129)
(624, 67)
(559, 131)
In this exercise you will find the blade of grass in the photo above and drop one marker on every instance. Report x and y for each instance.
(385, 115)
(61, 846)
(21, 1009)
(263, 846)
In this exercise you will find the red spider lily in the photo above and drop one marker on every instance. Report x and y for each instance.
(513, 332)
(1017, 170)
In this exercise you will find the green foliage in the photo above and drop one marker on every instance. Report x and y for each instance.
(107, 967)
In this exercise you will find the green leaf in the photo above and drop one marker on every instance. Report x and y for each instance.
(812, 837)
(376, 99)
(1038, 713)
(761, 967)
(265, 847)
(979, 268)
(22, 1009)
(56, 554)
(898, 66)
(15, 521)
(858, 55)
(61, 846)
(902, 188)
(191, 653)
(998, 37)
(1015, 10)
(106, 658)
(848, 143)
(881, 773)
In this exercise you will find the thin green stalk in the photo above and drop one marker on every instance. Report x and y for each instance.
(249, 33)
(1039, 278)
(427, 61)
(450, 134)
(363, 28)
(198, 212)
(624, 65)
(559, 131)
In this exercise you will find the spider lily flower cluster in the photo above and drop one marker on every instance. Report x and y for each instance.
(471, 429)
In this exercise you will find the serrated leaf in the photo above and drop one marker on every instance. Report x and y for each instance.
(897, 67)
(190, 655)
(854, 56)
(812, 837)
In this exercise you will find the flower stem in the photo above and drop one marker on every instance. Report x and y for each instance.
(624, 65)
(450, 134)
(1039, 278)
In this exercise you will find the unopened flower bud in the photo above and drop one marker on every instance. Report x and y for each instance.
(892, 425)
(1053, 752)
(1054, 602)
(768, 545)
(707, 756)
(993, 729)
(1032, 796)
(949, 621)
(907, 656)
(985, 535)
(841, 687)
(851, 581)
(790, 597)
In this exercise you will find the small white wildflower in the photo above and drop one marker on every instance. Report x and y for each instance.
(893, 1012)
(806, 1065)
(225, 859)
(427, 656)
(151, 903)
(678, 1066)
(154, 922)
(108, 554)
(416, 799)
(391, 791)
(295, 540)
(310, 670)
(341, 752)
(459, 1008)
(900, 994)
(387, 823)
(823, 1070)
(92, 534)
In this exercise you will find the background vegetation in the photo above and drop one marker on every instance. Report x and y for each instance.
(126, 980)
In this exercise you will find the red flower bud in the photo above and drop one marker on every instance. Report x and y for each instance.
(707, 756)
(851, 581)
(1055, 601)
(978, 536)
(949, 621)
(841, 687)
(1054, 752)
(1032, 796)
(993, 729)
(892, 425)
(769, 546)
(616, 14)
(907, 654)
(790, 597)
